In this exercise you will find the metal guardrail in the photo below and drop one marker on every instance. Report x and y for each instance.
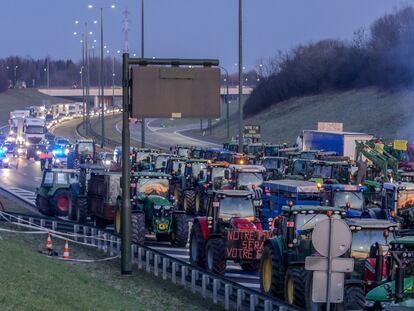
(231, 294)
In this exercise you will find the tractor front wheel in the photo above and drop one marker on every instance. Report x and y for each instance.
(216, 256)
(197, 246)
(61, 202)
(138, 228)
(179, 236)
(189, 202)
(271, 272)
(295, 286)
(354, 299)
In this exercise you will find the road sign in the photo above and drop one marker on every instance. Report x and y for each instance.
(330, 126)
(341, 237)
(331, 238)
(252, 131)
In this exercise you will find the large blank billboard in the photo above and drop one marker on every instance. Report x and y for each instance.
(175, 92)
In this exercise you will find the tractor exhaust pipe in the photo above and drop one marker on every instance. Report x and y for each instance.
(399, 279)
(379, 263)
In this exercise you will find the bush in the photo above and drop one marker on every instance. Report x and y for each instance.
(384, 58)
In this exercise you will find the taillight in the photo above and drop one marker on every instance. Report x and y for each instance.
(290, 224)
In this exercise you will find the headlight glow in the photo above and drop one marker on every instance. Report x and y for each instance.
(67, 151)
(27, 144)
(6, 160)
(19, 150)
(107, 162)
(38, 152)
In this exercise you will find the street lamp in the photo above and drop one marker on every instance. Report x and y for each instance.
(227, 100)
(15, 75)
(101, 73)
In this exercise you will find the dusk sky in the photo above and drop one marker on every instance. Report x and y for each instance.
(185, 28)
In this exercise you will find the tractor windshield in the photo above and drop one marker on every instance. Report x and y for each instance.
(271, 151)
(85, 148)
(217, 176)
(363, 239)
(231, 207)
(152, 186)
(177, 166)
(248, 179)
(272, 164)
(354, 199)
(142, 156)
(322, 171)
(405, 199)
(197, 168)
(183, 152)
(160, 160)
(308, 221)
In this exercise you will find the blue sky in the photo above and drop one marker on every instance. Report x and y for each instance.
(185, 28)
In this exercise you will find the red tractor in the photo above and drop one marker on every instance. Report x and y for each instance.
(230, 231)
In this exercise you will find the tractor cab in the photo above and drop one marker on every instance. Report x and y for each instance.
(160, 161)
(233, 157)
(279, 193)
(212, 153)
(54, 196)
(183, 151)
(398, 199)
(398, 291)
(230, 231)
(407, 177)
(85, 149)
(233, 146)
(144, 159)
(149, 183)
(246, 177)
(271, 150)
(216, 175)
(325, 172)
(197, 153)
(275, 167)
(194, 171)
(301, 169)
(350, 197)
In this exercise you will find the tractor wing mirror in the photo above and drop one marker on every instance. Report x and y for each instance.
(163, 164)
(226, 174)
(201, 175)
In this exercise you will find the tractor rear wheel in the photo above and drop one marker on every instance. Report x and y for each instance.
(271, 272)
(197, 247)
(61, 202)
(354, 299)
(216, 256)
(43, 206)
(189, 202)
(295, 286)
(250, 266)
(138, 228)
(179, 236)
(81, 209)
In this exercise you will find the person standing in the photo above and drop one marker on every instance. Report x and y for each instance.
(42, 158)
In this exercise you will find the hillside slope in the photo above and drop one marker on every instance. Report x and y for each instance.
(385, 114)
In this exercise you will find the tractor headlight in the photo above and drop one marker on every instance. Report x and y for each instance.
(27, 144)
(6, 160)
(38, 152)
(20, 150)
(157, 207)
(57, 161)
(107, 162)
(67, 151)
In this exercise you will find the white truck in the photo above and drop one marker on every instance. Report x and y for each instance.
(34, 136)
(343, 143)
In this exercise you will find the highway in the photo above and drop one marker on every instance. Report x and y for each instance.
(24, 176)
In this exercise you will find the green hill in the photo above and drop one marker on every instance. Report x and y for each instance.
(385, 114)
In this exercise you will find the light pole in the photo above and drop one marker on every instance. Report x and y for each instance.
(101, 74)
(142, 56)
(46, 70)
(240, 75)
(227, 101)
(15, 75)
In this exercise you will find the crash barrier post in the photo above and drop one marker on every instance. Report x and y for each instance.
(219, 289)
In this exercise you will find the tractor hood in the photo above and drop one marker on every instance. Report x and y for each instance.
(158, 200)
(380, 294)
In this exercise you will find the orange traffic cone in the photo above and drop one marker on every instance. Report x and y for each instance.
(66, 251)
(49, 245)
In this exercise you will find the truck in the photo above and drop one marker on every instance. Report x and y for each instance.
(342, 143)
(16, 130)
(34, 135)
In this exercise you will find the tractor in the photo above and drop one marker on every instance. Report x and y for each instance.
(229, 231)
(271, 150)
(54, 196)
(183, 151)
(213, 180)
(398, 200)
(398, 291)
(83, 152)
(152, 211)
(194, 172)
(144, 159)
(282, 270)
(275, 167)
(175, 168)
(160, 161)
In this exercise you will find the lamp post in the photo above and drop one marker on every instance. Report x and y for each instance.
(142, 56)
(227, 101)
(101, 74)
(240, 75)
(15, 75)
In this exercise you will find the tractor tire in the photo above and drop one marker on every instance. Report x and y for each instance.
(72, 208)
(199, 203)
(61, 202)
(138, 228)
(272, 274)
(189, 202)
(216, 256)
(117, 220)
(179, 236)
(81, 210)
(250, 266)
(354, 299)
(43, 206)
(295, 286)
(197, 247)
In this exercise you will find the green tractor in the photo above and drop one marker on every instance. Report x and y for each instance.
(152, 212)
(398, 292)
(54, 196)
(283, 274)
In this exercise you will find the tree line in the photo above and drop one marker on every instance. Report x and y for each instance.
(382, 56)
